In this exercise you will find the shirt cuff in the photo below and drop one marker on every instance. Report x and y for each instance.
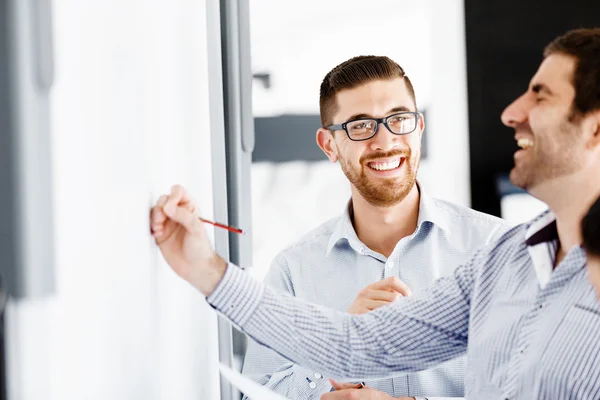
(237, 295)
(308, 384)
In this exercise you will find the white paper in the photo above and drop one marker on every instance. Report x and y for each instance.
(247, 386)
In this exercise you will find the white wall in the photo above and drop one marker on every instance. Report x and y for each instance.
(446, 171)
(129, 118)
(299, 42)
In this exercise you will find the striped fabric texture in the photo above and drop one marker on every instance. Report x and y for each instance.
(330, 265)
(523, 339)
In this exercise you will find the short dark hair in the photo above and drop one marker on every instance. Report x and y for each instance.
(590, 229)
(355, 72)
(584, 45)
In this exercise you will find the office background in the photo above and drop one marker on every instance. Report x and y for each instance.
(144, 94)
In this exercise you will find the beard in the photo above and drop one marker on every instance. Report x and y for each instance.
(383, 192)
(552, 156)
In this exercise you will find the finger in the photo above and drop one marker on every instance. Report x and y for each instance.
(157, 214)
(186, 218)
(383, 295)
(156, 227)
(374, 304)
(341, 385)
(334, 384)
(157, 232)
(158, 235)
(162, 200)
(392, 283)
(179, 197)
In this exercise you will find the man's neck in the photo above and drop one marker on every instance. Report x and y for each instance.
(382, 228)
(568, 225)
(569, 204)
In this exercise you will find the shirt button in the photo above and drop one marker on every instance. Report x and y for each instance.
(390, 264)
(312, 385)
(318, 375)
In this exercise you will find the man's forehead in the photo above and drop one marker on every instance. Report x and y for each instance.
(555, 73)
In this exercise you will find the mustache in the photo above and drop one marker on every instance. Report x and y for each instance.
(385, 154)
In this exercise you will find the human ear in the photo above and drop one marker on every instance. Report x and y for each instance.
(326, 142)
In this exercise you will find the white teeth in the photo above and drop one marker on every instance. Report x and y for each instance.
(385, 166)
(525, 143)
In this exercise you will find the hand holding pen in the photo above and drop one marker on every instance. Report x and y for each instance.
(180, 235)
(357, 391)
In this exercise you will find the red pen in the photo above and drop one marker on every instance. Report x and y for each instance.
(218, 225)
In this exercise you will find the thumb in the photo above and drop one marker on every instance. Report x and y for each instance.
(396, 285)
(341, 385)
(336, 385)
(183, 217)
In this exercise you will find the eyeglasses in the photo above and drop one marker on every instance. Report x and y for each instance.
(365, 128)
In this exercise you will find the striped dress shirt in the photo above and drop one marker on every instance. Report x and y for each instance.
(330, 265)
(525, 337)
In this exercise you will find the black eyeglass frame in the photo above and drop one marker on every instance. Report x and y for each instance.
(378, 121)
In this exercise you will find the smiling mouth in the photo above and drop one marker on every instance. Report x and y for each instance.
(386, 165)
(525, 143)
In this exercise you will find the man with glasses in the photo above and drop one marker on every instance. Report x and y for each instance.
(389, 231)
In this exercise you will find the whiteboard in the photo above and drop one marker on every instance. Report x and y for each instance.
(129, 117)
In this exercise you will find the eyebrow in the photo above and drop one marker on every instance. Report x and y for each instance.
(541, 88)
(393, 110)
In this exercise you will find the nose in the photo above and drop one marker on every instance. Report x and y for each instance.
(517, 112)
(384, 140)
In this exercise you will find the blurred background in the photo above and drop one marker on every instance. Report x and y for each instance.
(105, 104)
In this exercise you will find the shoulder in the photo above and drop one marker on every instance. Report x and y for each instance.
(469, 218)
(465, 222)
(311, 242)
(304, 254)
(462, 213)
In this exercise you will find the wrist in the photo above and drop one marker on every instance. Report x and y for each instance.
(207, 282)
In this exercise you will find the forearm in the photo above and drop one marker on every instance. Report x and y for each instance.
(377, 344)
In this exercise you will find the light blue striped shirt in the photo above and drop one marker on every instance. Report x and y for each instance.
(330, 265)
(524, 339)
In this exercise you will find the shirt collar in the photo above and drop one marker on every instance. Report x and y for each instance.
(432, 211)
(542, 229)
(343, 229)
(429, 211)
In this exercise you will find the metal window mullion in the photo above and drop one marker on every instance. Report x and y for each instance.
(232, 130)
(219, 169)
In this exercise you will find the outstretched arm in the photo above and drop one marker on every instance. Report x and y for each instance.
(408, 335)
